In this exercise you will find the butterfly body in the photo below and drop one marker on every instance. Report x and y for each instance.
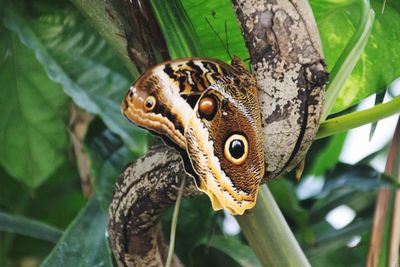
(210, 110)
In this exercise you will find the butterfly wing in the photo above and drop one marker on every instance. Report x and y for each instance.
(225, 144)
(162, 99)
(166, 100)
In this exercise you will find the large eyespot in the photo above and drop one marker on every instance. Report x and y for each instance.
(236, 149)
(150, 103)
(207, 107)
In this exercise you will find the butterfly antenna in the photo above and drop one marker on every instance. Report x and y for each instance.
(226, 40)
(219, 37)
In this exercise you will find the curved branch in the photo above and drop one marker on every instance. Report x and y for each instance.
(143, 191)
(287, 61)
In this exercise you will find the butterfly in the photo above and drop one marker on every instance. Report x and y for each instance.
(209, 111)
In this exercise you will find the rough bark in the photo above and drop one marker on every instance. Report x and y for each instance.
(145, 43)
(287, 61)
(151, 183)
(143, 191)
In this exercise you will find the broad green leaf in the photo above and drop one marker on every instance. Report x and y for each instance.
(234, 248)
(12, 193)
(77, 57)
(108, 159)
(33, 136)
(327, 157)
(217, 13)
(28, 227)
(379, 65)
(84, 243)
(177, 29)
(329, 238)
(342, 255)
(62, 191)
(354, 186)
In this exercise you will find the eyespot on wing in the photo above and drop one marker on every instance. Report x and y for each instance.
(231, 181)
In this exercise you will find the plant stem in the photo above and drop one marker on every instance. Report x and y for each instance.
(269, 235)
(359, 118)
(393, 169)
(174, 223)
(349, 57)
(385, 232)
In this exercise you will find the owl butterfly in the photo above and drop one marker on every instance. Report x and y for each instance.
(209, 110)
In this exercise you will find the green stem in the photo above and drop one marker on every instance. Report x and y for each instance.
(269, 235)
(349, 57)
(174, 223)
(359, 118)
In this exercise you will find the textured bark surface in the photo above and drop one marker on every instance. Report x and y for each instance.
(141, 194)
(287, 60)
(145, 43)
(151, 183)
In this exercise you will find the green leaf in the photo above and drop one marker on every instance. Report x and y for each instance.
(65, 191)
(235, 249)
(379, 64)
(33, 135)
(176, 28)
(329, 156)
(61, 192)
(28, 227)
(329, 238)
(84, 243)
(77, 57)
(12, 193)
(108, 158)
(352, 185)
(217, 12)
(342, 255)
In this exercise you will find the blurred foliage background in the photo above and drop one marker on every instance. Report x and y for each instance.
(56, 178)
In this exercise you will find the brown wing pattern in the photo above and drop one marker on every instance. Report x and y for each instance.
(211, 110)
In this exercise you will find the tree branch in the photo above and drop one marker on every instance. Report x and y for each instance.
(143, 191)
(287, 61)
